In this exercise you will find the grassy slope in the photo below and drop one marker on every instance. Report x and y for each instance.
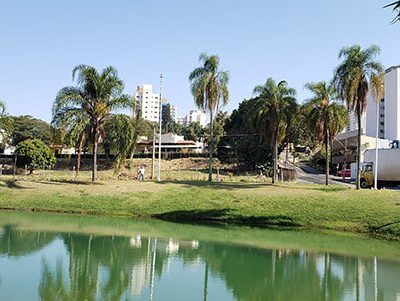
(316, 241)
(243, 203)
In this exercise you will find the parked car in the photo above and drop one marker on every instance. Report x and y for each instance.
(347, 173)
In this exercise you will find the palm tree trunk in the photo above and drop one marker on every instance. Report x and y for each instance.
(78, 163)
(275, 160)
(210, 147)
(358, 148)
(94, 170)
(326, 158)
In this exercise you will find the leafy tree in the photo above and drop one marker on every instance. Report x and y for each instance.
(167, 122)
(326, 118)
(352, 81)
(209, 86)
(76, 124)
(297, 133)
(5, 126)
(27, 127)
(241, 144)
(121, 134)
(2, 107)
(218, 130)
(35, 154)
(193, 131)
(396, 8)
(276, 106)
(96, 94)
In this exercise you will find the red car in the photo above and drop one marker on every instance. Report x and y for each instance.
(347, 173)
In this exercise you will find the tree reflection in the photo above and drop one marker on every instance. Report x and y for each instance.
(17, 242)
(117, 268)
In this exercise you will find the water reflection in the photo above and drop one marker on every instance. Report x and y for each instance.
(89, 267)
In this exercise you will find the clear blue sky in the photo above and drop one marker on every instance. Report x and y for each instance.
(41, 41)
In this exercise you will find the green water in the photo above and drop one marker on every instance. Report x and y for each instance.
(60, 257)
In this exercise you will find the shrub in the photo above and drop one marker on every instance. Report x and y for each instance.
(35, 154)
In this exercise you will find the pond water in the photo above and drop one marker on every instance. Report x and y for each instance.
(61, 257)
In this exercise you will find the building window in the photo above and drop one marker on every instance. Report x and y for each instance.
(382, 123)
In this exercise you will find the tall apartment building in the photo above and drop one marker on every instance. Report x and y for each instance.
(389, 110)
(166, 106)
(197, 116)
(147, 103)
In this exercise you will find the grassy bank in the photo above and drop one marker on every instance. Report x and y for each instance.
(298, 239)
(294, 205)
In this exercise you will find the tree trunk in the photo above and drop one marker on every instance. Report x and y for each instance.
(211, 147)
(358, 148)
(94, 171)
(275, 160)
(326, 158)
(78, 163)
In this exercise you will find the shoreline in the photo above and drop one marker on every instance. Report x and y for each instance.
(375, 213)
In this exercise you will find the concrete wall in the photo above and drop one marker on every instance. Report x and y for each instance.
(392, 103)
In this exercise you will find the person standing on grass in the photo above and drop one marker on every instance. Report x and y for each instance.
(141, 173)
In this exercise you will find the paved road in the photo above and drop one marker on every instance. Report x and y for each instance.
(310, 175)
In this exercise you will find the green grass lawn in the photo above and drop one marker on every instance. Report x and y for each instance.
(261, 204)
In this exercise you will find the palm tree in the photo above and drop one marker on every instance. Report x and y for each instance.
(2, 107)
(396, 8)
(77, 126)
(378, 91)
(277, 105)
(209, 86)
(96, 94)
(352, 78)
(326, 117)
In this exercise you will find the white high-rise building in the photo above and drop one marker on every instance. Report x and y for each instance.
(392, 103)
(147, 103)
(197, 116)
(389, 110)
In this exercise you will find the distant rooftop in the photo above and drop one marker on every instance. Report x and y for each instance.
(392, 68)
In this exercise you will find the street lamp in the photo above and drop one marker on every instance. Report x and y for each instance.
(159, 134)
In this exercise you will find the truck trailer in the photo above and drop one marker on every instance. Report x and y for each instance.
(388, 168)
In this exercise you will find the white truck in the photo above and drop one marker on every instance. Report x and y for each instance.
(388, 168)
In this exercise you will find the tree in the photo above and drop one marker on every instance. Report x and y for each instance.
(96, 94)
(276, 106)
(209, 86)
(193, 131)
(27, 127)
(76, 124)
(121, 134)
(325, 117)
(378, 91)
(167, 122)
(352, 78)
(35, 154)
(396, 8)
(2, 107)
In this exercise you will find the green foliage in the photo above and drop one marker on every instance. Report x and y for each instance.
(35, 154)
(396, 8)
(167, 122)
(121, 134)
(209, 87)
(193, 131)
(27, 127)
(352, 81)
(2, 107)
(241, 143)
(92, 101)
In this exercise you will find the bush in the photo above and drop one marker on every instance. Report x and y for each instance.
(35, 154)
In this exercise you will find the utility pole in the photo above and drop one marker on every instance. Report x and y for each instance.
(159, 134)
(376, 146)
(153, 158)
